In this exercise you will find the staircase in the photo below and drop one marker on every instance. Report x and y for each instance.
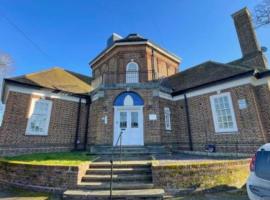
(130, 181)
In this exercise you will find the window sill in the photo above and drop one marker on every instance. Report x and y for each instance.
(227, 133)
(31, 134)
(169, 130)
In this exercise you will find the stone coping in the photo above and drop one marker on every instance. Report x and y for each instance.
(198, 163)
(218, 154)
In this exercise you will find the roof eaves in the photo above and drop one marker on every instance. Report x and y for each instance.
(143, 41)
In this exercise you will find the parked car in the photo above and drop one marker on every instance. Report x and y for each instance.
(258, 184)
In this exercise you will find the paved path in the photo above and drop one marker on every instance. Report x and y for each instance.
(16, 194)
(239, 195)
(25, 195)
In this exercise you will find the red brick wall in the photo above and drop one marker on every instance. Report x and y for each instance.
(250, 133)
(103, 134)
(117, 59)
(62, 126)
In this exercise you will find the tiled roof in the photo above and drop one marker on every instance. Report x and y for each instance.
(56, 79)
(202, 74)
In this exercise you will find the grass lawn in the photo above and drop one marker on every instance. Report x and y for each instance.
(60, 158)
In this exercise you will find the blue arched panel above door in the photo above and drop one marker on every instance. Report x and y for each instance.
(128, 98)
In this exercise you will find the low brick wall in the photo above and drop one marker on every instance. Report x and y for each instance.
(201, 176)
(40, 177)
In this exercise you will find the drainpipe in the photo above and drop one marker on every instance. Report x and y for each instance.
(188, 124)
(77, 125)
(153, 64)
(89, 101)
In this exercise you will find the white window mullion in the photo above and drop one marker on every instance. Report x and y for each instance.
(223, 113)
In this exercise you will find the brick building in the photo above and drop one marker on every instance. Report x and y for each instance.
(137, 89)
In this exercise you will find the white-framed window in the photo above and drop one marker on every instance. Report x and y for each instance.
(132, 72)
(223, 113)
(39, 117)
(167, 118)
(2, 112)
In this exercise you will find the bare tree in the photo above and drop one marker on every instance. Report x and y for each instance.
(262, 13)
(5, 67)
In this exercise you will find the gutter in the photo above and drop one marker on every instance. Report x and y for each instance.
(88, 104)
(188, 124)
(76, 141)
(263, 74)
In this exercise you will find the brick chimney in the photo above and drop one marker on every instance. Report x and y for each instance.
(251, 50)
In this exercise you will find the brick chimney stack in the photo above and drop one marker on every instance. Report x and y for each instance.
(251, 50)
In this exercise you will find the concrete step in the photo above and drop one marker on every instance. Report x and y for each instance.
(118, 178)
(125, 157)
(118, 153)
(136, 150)
(116, 186)
(144, 170)
(118, 165)
(147, 194)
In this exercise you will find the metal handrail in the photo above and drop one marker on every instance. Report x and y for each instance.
(119, 139)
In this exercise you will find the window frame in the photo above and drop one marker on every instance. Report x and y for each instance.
(28, 131)
(232, 130)
(167, 113)
(136, 72)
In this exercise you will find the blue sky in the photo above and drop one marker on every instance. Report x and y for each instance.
(71, 33)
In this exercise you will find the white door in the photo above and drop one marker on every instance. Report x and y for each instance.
(130, 122)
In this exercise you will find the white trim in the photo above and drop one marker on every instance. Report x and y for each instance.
(98, 95)
(132, 76)
(177, 59)
(214, 113)
(216, 88)
(128, 101)
(2, 114)
(167, 116)
(165, 96)
(41, 93)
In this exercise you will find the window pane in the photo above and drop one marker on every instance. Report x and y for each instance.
(167, 116)
(39, 118)
(132, 75)
(223, 112)
(134, 120)
(262, 164)
(38, 123)
(123, 120)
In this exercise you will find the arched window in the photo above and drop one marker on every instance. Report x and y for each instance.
(132, 72)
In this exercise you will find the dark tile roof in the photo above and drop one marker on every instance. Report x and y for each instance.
(56, 79)
(133, 37)
(202, 74)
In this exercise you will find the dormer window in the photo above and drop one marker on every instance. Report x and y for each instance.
(132, 72)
